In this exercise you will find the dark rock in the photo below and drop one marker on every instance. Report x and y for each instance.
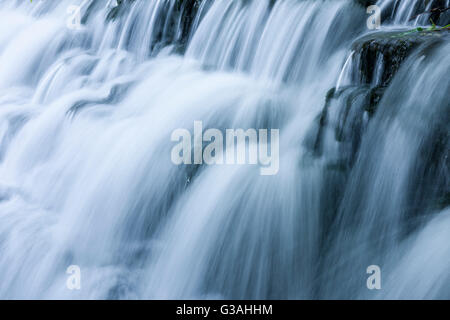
(120, 9)
(378, 56)
(188, 10)
(345, 114)
(175, 30)
(374, 98)
(444, 19)
(423, 11)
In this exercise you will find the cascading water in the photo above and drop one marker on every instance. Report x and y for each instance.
(411, 11)
(86, 178)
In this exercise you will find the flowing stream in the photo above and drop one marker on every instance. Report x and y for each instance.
(86, 178)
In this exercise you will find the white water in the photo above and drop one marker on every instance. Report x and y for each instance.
(86, 177)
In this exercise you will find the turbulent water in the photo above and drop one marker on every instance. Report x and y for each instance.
(86, 178)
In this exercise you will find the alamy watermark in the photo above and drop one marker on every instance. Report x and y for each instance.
(374, 20)
(73, 281)
(374, 280)
(74, 20)
(251, 147)
(74, 15)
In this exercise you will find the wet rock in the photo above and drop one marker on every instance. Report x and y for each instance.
(176, 30)
(374, 98)
(419, 12)
(432, 178)
(343, 121)
(188, 11)
(444, 18)
(378, 56)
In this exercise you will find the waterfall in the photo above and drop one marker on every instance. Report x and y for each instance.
(86, 177)
(404, 12)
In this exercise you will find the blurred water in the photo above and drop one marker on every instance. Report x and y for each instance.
(86, 177)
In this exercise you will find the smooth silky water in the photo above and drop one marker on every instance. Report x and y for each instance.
(86, 176)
